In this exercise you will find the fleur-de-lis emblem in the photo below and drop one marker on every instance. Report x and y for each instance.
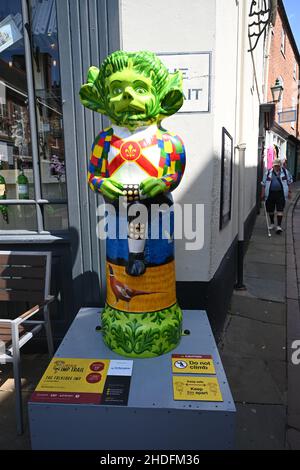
(130, 151)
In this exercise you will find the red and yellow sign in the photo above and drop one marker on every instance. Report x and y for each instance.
(154, 290)
(71, 379)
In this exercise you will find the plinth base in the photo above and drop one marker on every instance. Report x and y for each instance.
(152, 419)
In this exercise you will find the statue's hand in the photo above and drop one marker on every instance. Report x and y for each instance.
(151, 187)
(111, 189)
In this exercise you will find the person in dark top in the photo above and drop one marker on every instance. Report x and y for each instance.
(275, 191)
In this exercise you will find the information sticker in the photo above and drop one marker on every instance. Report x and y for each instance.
(196, 388)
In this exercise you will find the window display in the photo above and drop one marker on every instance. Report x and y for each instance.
(16, 156)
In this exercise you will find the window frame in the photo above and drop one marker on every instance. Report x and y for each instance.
(283, 41)
(295, 71)
(294, 100)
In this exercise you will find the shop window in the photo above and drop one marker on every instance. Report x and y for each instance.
(32, 183)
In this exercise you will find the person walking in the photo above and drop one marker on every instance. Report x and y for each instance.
(276, 191)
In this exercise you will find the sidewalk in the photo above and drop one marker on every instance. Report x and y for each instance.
(33, 367)
(257, 338)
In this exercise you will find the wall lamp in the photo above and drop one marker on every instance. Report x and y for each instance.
(277, 90)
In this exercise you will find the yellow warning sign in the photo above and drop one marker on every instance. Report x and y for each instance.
(196, 388)
(192, 364)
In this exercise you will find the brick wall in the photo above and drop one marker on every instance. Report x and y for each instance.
(282, 65)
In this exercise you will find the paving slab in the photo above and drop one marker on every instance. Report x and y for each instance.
(256, 309)
(293, 389)
(260, 427)
(4, 373)
(294, 420)
(32, 369)
(262, 256)
(251, 380)
(265, 289)
(261, 236)
(248, 337)
(9, 440)
(296, 237)
(293, 439)
(290, 265)
(268, 245)
(278, 370)
(264, 271)
(292, 287)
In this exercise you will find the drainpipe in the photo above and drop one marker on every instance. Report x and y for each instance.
(241, 191)
(266, 62)
(241, 146)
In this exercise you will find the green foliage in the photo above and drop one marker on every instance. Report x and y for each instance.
(142, 335)
(172, 334)
(134, 338)
(156, 317)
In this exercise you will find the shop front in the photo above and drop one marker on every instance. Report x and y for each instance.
(45, 49)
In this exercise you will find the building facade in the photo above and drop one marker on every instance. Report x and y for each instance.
(46, 136)
(283, 65)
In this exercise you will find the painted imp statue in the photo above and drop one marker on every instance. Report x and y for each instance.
(135, 164)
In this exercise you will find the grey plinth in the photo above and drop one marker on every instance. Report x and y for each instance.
(152, 420)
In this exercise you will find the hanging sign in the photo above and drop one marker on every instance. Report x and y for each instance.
(289, 115)
(9, 33)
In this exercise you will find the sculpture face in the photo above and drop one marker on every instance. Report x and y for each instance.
(131, 98)
(133, 89)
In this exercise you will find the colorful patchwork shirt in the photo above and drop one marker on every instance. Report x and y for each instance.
(132, 157)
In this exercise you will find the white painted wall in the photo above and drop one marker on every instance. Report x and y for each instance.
(227, 100)
(194, 26)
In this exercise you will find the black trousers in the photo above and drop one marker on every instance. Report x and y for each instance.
(276, 200)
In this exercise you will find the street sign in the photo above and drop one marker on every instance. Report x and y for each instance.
(289, 115)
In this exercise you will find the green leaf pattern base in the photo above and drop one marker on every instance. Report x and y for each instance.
(142, 335)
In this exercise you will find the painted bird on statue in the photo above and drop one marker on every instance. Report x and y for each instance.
(122, 291)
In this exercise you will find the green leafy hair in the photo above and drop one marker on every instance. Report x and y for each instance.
(167, 86)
